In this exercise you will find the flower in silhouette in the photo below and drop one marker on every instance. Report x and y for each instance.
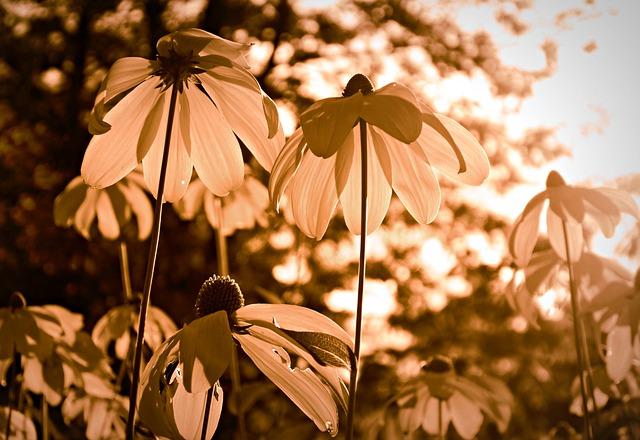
(241, 209)
(568, 204)
(79, 205)
(440, 396)
(217, 99)
(320, 164)
(176, 380)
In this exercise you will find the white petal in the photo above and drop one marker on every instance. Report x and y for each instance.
(378, 189)
(191, 203)
(125, 74)
(211, 211)
(188, 412)
(465, 415)
(111, 156)
(430, 422)
(303, 387)
(107, 221)
(141, 207)
(394, 110)
(440, 153)
(524, 234)
(215, 150)
(243, 110)
(619, 353)
(179, 165)
(412, 179)
(566, 203)
(86, 213)
(284, 166)
(556, 236)
(313, 194)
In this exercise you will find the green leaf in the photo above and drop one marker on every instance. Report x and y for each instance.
(326, 349)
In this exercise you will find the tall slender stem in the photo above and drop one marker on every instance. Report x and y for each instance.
(223, 269)
(577, 334)
(124, 271)
(590, 381)
(14, 382)
(362, 262)
(151, 264)
(440, 423)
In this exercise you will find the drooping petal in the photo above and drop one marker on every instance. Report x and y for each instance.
(465, 415)
(198, 41)
(291, 317)
(619, 353)
(431, 422)
(211, 211)
(395, 111)
(285, 165)
(125, 74)
(107, 221)
(67, 202)
(303, 387)
(86, 213)
(151, 126)
(412, 179)
(271, 113)
(566, 203)
(437, 144)
(111, 156)
(189, 408)
(542, 266)
(141, 207)
(524, 235)
(411, 417)
(313, 194)
(202, 366)
(215, 151)
(622, 200)
(327, 123)
(243, 110)
(191, 203)
(378, 189)
(556, 233)
(179, 164)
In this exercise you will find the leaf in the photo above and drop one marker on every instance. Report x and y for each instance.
(325, 348)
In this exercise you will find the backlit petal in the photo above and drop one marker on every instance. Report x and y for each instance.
(443, 156)
(111, 156)
(465, 415)
(179, 165)
(107, 221)
(622, 200)
(566, 203)
(604, 211)
(188, 412)
(303, 387)
(86, 212)
(285, 165)
(327, 123)
(125, 74)
(412, 180)
(556, 234)
(619, 353)
(313, 194)
(141, 207)
(378, 189)
(524, 235)
(191, 203)
(430, 422)
(243, 110)
(215, 151)
(391, 111)
(68, 201)
(201, 42)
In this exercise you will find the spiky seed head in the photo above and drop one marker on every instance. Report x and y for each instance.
(358, 83)
(219, 293)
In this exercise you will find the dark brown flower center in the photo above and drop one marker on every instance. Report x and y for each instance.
(358, 83)
(438, 364)
(176, 68)
(219, 293)
(554, 179)
(17, 301)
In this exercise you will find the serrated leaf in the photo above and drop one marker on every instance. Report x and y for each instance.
(326, 349)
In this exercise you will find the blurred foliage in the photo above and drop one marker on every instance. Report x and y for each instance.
(53, 55)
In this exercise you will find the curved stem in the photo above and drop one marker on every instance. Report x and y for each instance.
(151, 264)
(577, 335)
(124, 272)
(362, 262)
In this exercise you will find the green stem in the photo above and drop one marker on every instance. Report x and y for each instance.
(362, 262)
(577, 335)
(124, 272)
(151, 264)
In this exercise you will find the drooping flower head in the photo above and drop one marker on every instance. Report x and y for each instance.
(568, 206)
(79, 205)
(218, 98)
(176, 380)
(320, 164)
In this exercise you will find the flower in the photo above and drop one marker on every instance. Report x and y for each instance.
(217, 97)
(440, 393)
(176, 380)
(568, 205)
(79, 205)
(103, 415)
(320, 163)
(241, 209)
(617, 307)
(604, 389)
(21, 425)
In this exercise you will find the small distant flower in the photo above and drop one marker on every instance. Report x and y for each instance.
(175, 382)
(440, 392)
(21, 426)
(103, 415)
(241, 209)
(604, 389)
(570, 204)
(116, 325)
(617, 307)
(79, 205)
(217, 99)
(320, 164)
